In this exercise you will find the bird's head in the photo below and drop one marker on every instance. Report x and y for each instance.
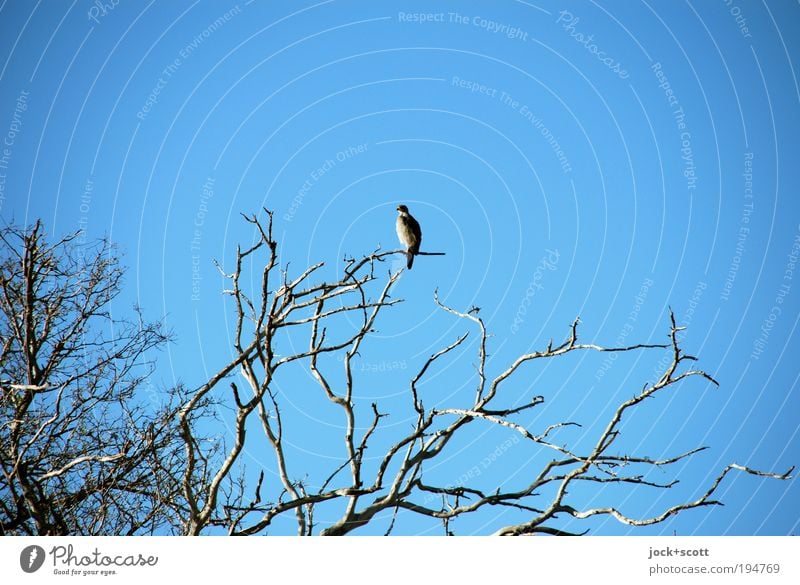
(402, 209)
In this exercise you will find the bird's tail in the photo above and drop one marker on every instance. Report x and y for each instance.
(410, 257)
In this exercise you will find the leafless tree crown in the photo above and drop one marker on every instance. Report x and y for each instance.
(81, 449)
(83, 454)
(362, 488)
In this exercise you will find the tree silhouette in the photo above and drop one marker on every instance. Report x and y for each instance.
(82, 449)
(85, 451)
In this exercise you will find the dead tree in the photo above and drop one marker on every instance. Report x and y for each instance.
(222, 493)
(83, 448)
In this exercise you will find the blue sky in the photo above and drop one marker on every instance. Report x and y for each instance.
(602, 159)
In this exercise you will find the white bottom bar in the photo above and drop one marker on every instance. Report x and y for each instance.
(354, 560)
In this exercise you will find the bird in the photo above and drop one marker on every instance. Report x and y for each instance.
(409, 233)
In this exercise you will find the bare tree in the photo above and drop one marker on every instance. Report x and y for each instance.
(87, 446)
(83, 448)
(221, 492)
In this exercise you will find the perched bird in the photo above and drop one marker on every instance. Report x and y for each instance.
(409, 232)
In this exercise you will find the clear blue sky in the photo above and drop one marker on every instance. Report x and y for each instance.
(608, 162)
